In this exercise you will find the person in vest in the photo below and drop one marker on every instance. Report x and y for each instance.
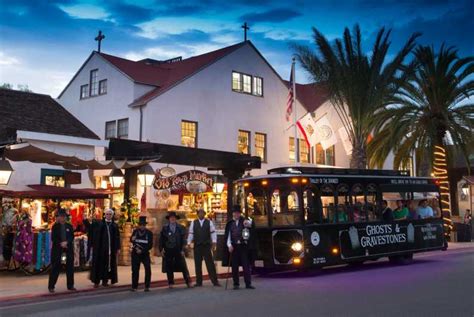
(105, 250)
(172, 243)
(62, 239)
(142, 242)
(239, 246)
(203, 233)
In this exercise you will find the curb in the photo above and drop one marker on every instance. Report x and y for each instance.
(37, 298)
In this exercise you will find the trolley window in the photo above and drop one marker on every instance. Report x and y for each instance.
(328, 203)
(286, 207)
(257, 206)
(312, 205)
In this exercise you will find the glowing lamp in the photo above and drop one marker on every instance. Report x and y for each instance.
(116, 178)
(146, 175)
(6, 171)
(219, 185)
(335, 251)
(296, 261)
(297, 246)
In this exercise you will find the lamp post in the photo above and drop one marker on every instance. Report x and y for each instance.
(6, 171)
(146, 174)
(116, 178)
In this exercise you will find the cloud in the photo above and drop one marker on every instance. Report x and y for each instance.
(274, 15)
(85, 11)
(8, 60)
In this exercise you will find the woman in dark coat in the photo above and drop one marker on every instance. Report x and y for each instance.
(105, 237)
(172, 243)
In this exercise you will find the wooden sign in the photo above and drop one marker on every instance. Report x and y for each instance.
(191, 181)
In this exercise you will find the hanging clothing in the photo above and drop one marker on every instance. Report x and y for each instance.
(105, 243)
(24, 241)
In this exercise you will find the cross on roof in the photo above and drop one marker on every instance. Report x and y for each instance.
(245, 27)
(99, 39)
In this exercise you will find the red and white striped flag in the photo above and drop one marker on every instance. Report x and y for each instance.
(289, 101)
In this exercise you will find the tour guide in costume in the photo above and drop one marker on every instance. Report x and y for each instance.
(105, 238)
(172, 243)
(142, 242)
(62, 237)
(240, 242)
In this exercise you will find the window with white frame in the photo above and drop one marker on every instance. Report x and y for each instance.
(257, 86)
(247, 84)
(261, 146)
(236, 81)
(243, 142)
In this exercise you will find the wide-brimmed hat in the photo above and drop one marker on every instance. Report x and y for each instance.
(61, 212)
(172, 214)
(142, 220)
(236, 208)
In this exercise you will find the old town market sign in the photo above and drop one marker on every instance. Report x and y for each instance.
(191, 181)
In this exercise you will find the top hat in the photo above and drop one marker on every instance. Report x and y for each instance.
(61, 212)
(142, 220)
(172, 214)
(236, 208)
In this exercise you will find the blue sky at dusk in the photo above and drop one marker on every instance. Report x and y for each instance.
(43, 43)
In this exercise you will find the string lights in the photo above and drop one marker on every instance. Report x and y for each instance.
(440, 172)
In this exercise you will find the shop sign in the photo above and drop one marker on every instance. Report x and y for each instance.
(192, 181)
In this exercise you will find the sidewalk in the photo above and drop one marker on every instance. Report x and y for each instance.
(16, 285)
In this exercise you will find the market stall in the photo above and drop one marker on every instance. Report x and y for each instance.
(28, 214)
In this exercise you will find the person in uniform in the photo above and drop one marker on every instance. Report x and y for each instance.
(142, 242)
(239, 246)
(172, 243)
(105, 236)
(62, 239)
(203, 232)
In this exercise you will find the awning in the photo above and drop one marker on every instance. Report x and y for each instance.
(68, 158)
(45, 191)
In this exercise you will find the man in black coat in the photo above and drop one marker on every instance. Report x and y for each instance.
(239, 238)
(172, 243)
(203, 233)
(105, 237)
(142, 242)
(62, 239)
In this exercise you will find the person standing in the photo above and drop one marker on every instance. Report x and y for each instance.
(62, 238)
(387, 213)
(142, 242)
(239, 235)
(203, 233)
(172, 242)
(105, 247)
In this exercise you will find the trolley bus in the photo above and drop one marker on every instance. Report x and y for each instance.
(314, 217)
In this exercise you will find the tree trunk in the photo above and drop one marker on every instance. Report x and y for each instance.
(359, 156)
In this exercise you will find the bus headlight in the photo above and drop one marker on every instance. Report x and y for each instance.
(297, 247)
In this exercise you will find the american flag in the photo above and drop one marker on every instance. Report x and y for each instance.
(289, 101)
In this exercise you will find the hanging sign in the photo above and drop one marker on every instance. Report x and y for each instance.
(191, 181)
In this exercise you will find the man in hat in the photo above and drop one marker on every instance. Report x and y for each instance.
(203, 233)
(142, 242)
(172, 243)
(105, 247)
(62, 239)
(239, 237)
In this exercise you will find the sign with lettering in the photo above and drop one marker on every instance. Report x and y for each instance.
(191, 181)
(360, 240)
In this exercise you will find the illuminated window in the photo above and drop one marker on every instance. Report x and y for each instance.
(236, 81)
(325, 157)
(189, 133)
(94, 84)
(84, 91)
(103, 87)
(243, 142)
(292, 150)
(122, 129)
(258, 86)
(408, 167)
(303, 150)
(110, 129)
(261, 146)
(247, 83)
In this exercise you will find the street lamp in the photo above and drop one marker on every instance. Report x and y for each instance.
(218, 186)
(116, 178)
(6, 171)
(146, 175)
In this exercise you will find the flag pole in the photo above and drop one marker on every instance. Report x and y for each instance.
(297, 143)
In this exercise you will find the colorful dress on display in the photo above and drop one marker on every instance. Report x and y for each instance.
(24, 241)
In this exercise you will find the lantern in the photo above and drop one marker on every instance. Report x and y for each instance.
(116, 178)
(6, 171)
(146, 174)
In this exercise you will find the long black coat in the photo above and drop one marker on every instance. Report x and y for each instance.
(252, 243)
(180, 243)
(56, 249)
(100, 251)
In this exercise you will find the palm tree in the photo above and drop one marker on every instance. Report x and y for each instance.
(359, 83)
(431, 111)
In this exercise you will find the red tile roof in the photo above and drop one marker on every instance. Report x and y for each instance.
(311, 96)
(165, 75)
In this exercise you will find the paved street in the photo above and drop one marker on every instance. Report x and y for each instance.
(436, 284)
